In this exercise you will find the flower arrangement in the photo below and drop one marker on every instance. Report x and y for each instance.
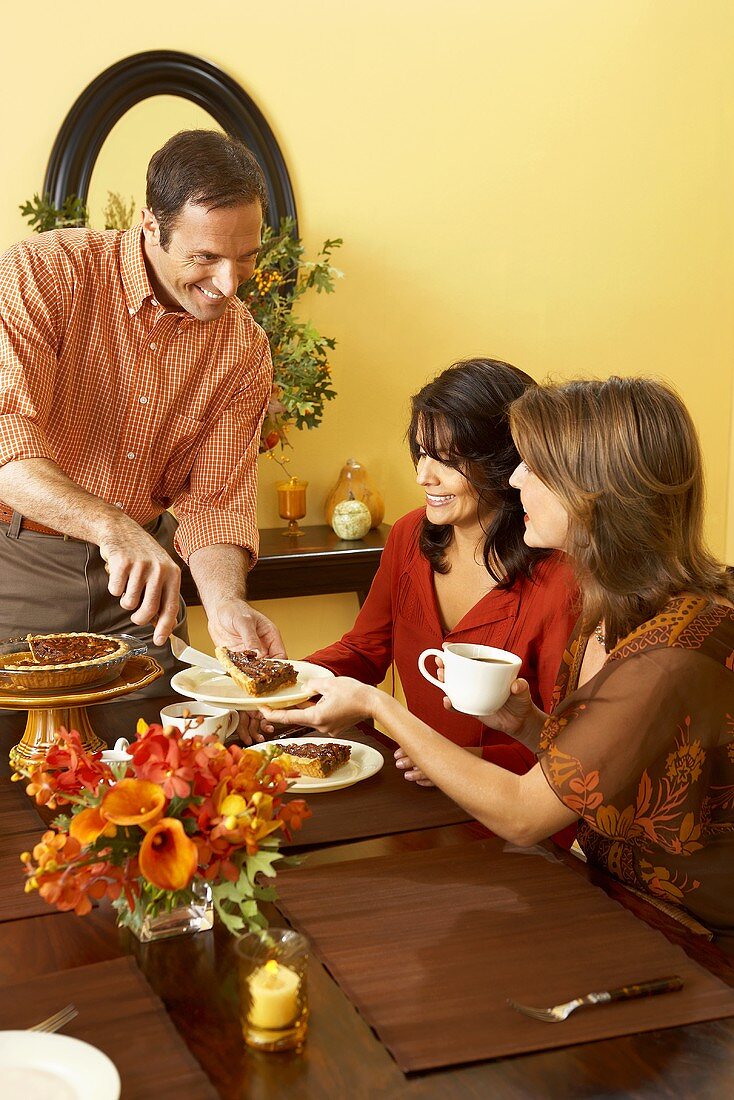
(142, 832)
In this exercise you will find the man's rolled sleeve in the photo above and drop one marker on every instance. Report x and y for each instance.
(20, 438)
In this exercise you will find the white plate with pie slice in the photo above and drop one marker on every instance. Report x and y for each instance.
(363, 762)
(209, 686)
(57, 1067)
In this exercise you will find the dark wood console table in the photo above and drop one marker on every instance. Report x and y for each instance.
(316, 564)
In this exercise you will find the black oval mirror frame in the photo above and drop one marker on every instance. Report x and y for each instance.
(162, 72)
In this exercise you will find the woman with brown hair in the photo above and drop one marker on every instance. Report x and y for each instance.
(458, 569)
(639, 746)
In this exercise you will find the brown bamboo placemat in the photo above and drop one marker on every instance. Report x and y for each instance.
(14, 902)
(429, 945)
(382, 805)
(121, 1016)
(17, 811)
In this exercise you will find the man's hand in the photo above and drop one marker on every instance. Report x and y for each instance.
(144, 577)
(235, 625)
(220, 574)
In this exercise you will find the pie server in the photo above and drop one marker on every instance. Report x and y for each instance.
(191, 656)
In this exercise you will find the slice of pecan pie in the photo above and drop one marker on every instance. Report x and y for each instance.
(256, 675)
(317, 761)
(52, 650)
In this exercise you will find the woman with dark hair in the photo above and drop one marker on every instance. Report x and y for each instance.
(458, 570)
(640, 745)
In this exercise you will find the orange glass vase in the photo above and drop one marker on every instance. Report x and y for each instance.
(354, 483)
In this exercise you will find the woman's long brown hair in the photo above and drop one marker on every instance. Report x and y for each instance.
(623, 457)
(462, 419)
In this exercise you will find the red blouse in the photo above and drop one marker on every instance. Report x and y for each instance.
(400, 618)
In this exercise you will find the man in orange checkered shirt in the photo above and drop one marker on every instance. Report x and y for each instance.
(133, 381)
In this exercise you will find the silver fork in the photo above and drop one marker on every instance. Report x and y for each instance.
(59, 1019)
(557, 1013)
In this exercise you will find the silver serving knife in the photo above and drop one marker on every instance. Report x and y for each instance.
(191, 656)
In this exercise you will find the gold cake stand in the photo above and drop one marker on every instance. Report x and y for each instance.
(47, 712)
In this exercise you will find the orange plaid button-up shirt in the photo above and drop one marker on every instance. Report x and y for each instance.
(143, 407)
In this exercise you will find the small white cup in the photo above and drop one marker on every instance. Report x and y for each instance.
(477, 678)
(219, 720)
(118, 754)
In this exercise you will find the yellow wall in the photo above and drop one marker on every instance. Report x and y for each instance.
(548, 182)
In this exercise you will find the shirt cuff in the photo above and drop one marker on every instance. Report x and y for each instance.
(216, 529)
(21, 438)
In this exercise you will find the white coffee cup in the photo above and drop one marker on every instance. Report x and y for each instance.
(477, 678)
(201, 719)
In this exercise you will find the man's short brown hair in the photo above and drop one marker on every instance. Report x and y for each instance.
(204, 167)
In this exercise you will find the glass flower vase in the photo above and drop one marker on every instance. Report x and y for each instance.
(192, 911)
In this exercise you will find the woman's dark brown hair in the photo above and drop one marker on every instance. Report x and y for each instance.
(204, 167)
(623, 458)
(461, 419)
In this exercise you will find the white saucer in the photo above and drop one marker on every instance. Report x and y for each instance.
(209, 686)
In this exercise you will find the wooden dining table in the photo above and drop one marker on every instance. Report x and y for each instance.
(195, 977)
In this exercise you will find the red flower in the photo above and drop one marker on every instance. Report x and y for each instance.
(67, 769)
(161, 758)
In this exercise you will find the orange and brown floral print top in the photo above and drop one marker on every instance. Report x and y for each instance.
(644, 754)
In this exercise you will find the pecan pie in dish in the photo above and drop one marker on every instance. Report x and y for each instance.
(256, 675)
(50, 662)
(74, 649)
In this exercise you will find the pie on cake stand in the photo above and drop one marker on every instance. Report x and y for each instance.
(68, 707)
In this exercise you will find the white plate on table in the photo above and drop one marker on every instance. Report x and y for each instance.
(363, 762)
(209, 686)
(38, 1066)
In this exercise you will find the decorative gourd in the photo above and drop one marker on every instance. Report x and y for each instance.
(354, 483)
(351, 519)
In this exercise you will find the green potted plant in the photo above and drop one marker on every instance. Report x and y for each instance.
(301, 373)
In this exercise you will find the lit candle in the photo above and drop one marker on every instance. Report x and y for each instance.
(273, 996)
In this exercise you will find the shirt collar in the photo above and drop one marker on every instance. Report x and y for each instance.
(135, 281)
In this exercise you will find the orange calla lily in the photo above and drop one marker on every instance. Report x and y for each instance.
(168, 857)
(90, 824)
(134, 802)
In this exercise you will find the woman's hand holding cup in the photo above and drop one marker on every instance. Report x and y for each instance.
(511, 709)
(476, 678)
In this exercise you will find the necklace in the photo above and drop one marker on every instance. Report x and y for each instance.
(600, 635)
